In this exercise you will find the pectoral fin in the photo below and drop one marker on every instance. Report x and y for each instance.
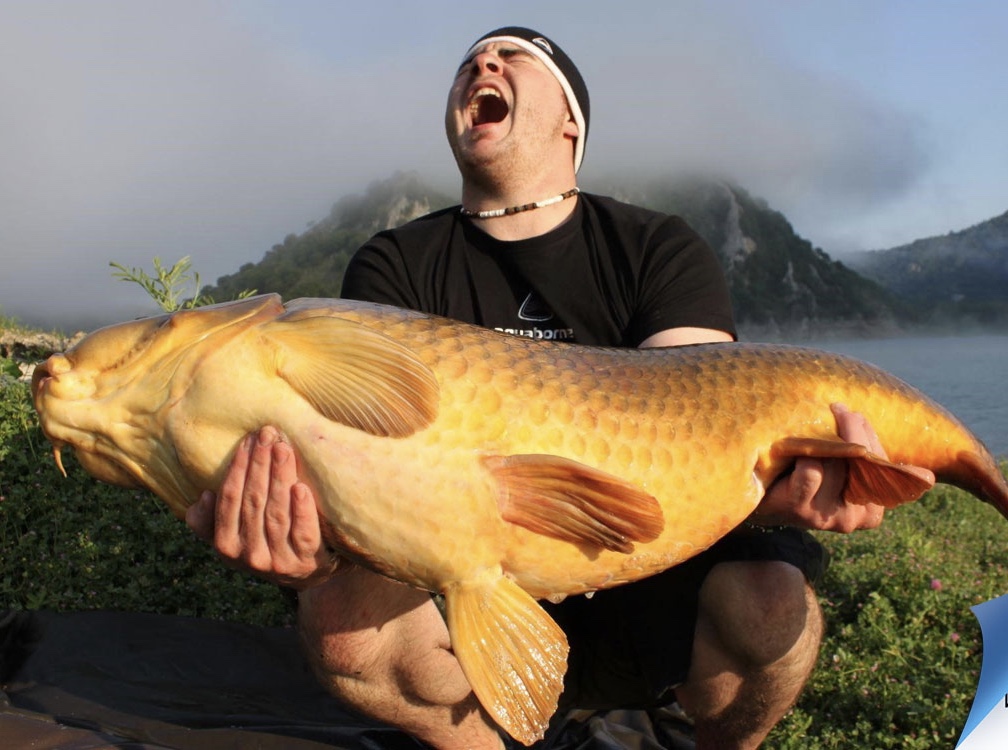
(568, 500)
(355, 375)
(512, 653)
(870, 478)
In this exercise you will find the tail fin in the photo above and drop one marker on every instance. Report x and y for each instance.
(982, 477)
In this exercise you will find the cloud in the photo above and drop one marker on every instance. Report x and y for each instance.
(812, 143)
(135, 130)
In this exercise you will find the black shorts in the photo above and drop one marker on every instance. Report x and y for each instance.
(631, 645)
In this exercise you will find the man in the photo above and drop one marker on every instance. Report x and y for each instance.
(732, 635)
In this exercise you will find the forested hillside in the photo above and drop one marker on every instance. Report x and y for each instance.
(781, 284)
(311, 264)
(958, 277)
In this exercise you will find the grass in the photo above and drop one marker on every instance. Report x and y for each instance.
(902, 652)
(898, 667)
(75, 544)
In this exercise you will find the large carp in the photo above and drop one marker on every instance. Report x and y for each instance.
(492, 468)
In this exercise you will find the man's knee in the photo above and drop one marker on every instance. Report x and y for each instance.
(761, 612)
(364, 647)
(757, 639)
(345, 659)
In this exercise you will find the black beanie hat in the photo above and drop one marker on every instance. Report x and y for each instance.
(559, 64)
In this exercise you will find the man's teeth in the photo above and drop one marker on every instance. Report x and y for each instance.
(474, 101)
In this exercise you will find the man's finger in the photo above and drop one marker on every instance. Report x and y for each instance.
(306, 532)
(854, 427)
(227, 510)
(255, 493)
(277, 514)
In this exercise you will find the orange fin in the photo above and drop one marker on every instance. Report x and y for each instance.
(870, 478)
(355, 375)
(568, 500)
(512, 653)
(983, 478)
(876, 480)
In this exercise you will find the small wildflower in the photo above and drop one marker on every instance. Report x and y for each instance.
(936, 584)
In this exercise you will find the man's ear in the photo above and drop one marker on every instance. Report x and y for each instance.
(570, 127)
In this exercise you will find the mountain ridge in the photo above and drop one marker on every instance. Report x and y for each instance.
(782, 286)
(961, 276)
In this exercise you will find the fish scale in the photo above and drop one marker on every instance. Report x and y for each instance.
(494, 469)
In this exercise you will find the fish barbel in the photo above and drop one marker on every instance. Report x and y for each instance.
(494, 469)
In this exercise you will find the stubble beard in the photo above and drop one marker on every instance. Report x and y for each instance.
(491, 172)
(508, 166)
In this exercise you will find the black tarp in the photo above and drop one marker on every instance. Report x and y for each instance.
(88, 680)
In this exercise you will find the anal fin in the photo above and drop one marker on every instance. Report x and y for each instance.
(870, 478)
(512, 653)
(568, 500)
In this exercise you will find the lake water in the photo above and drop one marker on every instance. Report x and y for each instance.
(968, 375)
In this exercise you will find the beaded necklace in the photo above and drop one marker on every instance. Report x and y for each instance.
(493, 213)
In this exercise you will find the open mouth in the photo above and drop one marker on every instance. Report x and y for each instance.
(487, 106)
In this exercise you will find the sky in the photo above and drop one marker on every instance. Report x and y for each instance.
(133, 130)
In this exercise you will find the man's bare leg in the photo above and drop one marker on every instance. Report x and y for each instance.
(758, 632)
(382, 648)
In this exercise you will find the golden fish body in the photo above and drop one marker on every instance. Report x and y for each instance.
(491, 468)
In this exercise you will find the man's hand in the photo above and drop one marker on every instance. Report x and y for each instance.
(264, 519)
(811, 496)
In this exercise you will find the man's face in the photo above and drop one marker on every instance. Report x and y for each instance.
(506, 108)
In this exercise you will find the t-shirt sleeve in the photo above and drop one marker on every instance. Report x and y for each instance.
(377, 273)
(682, 283)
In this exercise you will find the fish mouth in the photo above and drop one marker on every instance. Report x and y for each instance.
(487, 106)
(40, 378)
(54, 426)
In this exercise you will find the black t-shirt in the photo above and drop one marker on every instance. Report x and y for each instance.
(612, 275)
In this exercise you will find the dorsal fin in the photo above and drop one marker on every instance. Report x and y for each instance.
(568, 500)
(355, 375)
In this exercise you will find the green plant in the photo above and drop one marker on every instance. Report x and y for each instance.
(168, 286)
(902, 651)
(7, 321)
